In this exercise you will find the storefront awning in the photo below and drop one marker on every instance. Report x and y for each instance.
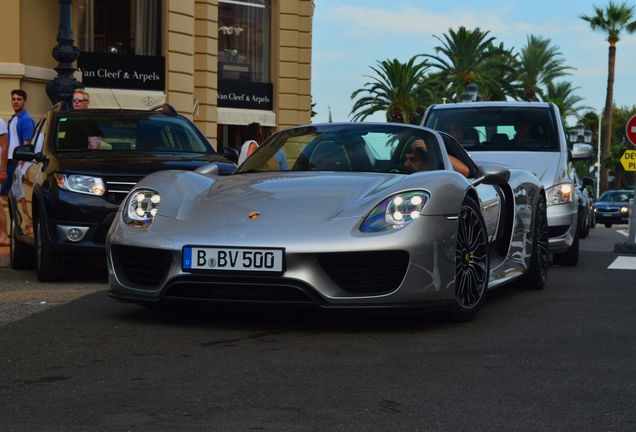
(126, 99)
(243, 117)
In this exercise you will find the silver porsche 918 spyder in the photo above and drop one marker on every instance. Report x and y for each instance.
(331, 214)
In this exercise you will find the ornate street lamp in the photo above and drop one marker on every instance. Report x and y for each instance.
(582, 135)
(471, 94)
(66, 53)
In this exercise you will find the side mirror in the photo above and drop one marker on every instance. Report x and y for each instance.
(209, 169)
(27, 153)
(492, 174)
(582, 151)
(588, 181)
(230, 153)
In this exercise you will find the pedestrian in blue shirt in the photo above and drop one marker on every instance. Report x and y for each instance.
(21, 127)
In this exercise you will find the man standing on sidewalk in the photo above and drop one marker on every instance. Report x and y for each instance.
(21, 127)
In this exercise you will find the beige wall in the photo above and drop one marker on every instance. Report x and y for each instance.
(292, 60)
(205, 66)
(29, 33)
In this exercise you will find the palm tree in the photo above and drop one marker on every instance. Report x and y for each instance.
(562, 95)
(395, 90)
(470, 56)
(538, 64)
(612, 20)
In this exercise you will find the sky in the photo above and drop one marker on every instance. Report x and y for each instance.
(351, 36)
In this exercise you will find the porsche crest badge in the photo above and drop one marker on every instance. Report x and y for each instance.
(254, 215)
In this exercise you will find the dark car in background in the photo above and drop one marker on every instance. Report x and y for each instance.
(78, 168)
(612, 207)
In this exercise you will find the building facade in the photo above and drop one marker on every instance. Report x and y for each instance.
(223, 63)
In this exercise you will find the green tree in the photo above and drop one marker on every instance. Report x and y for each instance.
(469, 56)
(613, 20)
(538, 64)
(562, 95)
(399, 90)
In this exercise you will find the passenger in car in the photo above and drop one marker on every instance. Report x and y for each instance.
(81, 100)
(419, 150)
(416, 156)
(524, 130)
(463, 134)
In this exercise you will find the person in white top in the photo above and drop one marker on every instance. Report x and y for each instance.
(254, 137)
(4, 143)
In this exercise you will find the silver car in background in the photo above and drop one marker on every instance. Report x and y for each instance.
(487, 131)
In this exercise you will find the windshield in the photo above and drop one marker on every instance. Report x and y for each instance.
(617, 196)
(358, 148)
(145, 132)
(498, 128)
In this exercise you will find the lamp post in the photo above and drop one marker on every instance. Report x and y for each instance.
(582, 135)
(598, 160)
(65, 52)
(471, 94)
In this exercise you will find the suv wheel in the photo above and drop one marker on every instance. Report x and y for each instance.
(48, 264)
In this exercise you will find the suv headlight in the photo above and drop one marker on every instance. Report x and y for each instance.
(141, 207)
(395, 212)
(559, 194)
(81, 184)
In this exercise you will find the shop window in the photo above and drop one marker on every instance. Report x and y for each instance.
(120, 26)
(244, 40)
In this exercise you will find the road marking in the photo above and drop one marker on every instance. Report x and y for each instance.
(623, 263)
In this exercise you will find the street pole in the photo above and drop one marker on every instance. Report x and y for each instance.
(598, 159)
(65, 52)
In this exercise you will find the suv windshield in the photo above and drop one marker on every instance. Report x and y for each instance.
(141, 132)
(498, 128)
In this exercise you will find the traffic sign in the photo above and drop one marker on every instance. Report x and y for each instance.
(630, 130)
(628, 160)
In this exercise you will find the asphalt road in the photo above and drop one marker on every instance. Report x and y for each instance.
(560, 359)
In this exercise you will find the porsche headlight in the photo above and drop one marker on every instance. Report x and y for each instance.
(81, 184)
(395, 212)
(559, 194)
(141, 207)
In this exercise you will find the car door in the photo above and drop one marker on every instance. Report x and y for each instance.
(26, 174)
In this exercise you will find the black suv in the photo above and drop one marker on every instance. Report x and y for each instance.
(77, 169)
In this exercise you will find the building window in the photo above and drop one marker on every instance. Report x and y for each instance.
(120, 26)
(244, 40)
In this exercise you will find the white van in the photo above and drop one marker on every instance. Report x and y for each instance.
(526, 135)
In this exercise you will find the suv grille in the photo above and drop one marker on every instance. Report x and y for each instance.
(118, 187)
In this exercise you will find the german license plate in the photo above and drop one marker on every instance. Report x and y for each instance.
(233, 259)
